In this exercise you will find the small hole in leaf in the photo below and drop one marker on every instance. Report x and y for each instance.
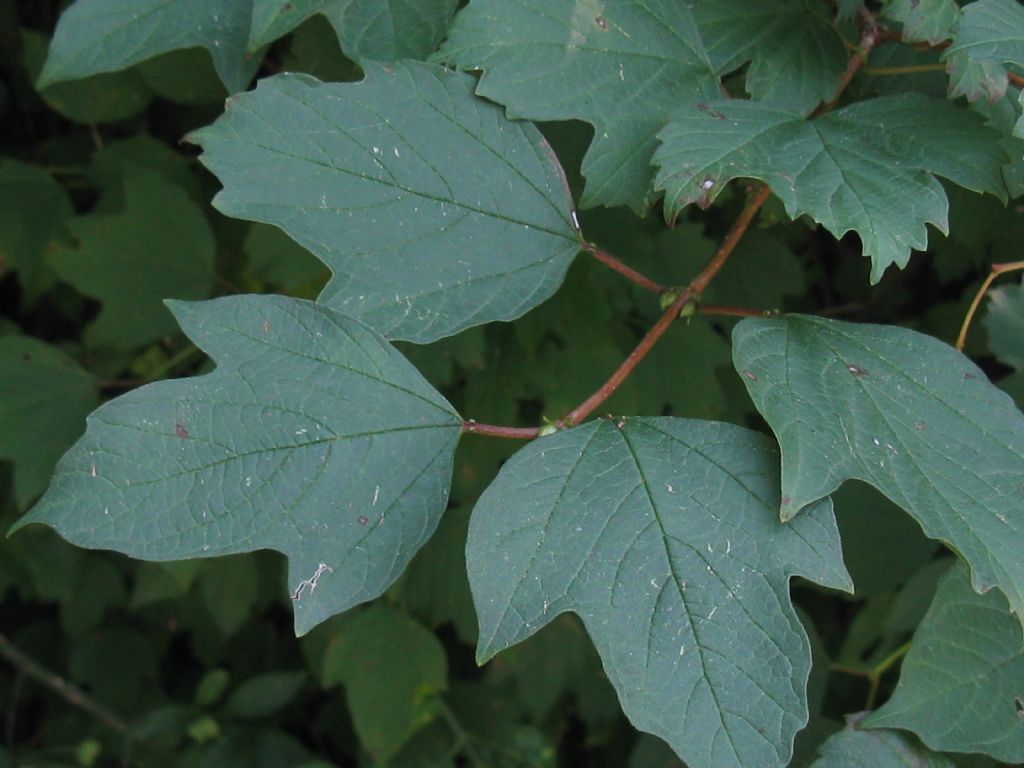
(363, 519)
(856, 371)
(1018, 704)
(602, 22)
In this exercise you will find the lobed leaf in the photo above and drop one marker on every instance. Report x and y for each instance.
(312, 437)
(368, 30)
(661, 535)
(622, 67)
(795, 52)
(903, 412)
(96, 36)
(433, 210)
(989, 35)
(961, 683)
(869, 167)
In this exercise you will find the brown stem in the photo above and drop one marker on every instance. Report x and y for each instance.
(717, 309)
(1016, 79)
(997, 270)
(70, 692)
(587, 407)
(695, 288)
(732, 239)
(494, 430)
(610, 261)
(869, 39)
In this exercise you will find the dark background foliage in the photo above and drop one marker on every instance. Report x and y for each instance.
(196, 663)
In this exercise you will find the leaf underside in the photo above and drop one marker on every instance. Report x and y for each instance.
(662, 535)
(275, 449)
(433, 210)
(869, 167)
(903, 412)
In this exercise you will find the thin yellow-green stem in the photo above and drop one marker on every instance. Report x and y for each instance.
(876, 673)
(997, 270)
(910, 69)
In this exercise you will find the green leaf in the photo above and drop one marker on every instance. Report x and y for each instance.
(313, 49)
(867, 167)
(392, 669)
(276, 259)
(433, 210)
(847, 10)
(435, 584)
(924, 21)
(158, 246)
(44, 399)
(650, 752)
(661, 534)
(1005, 115)
(796, 55)
(903, 412)
(35, 211)
(853, 747)
(119, 664)
(763, 272)
(312, 437)
(98, 588)
(184, 76)
(212, 686)
(961, 683)
(264, 695)
(155, 582)
(989, 36)
(95, 36)
(101, 98)
(368, 30)
(1004, 322)
(883, 547)
(622, 67)
(547, 666)
(229, 590)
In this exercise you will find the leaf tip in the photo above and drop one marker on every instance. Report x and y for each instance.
(27, 519)
(788, 509)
